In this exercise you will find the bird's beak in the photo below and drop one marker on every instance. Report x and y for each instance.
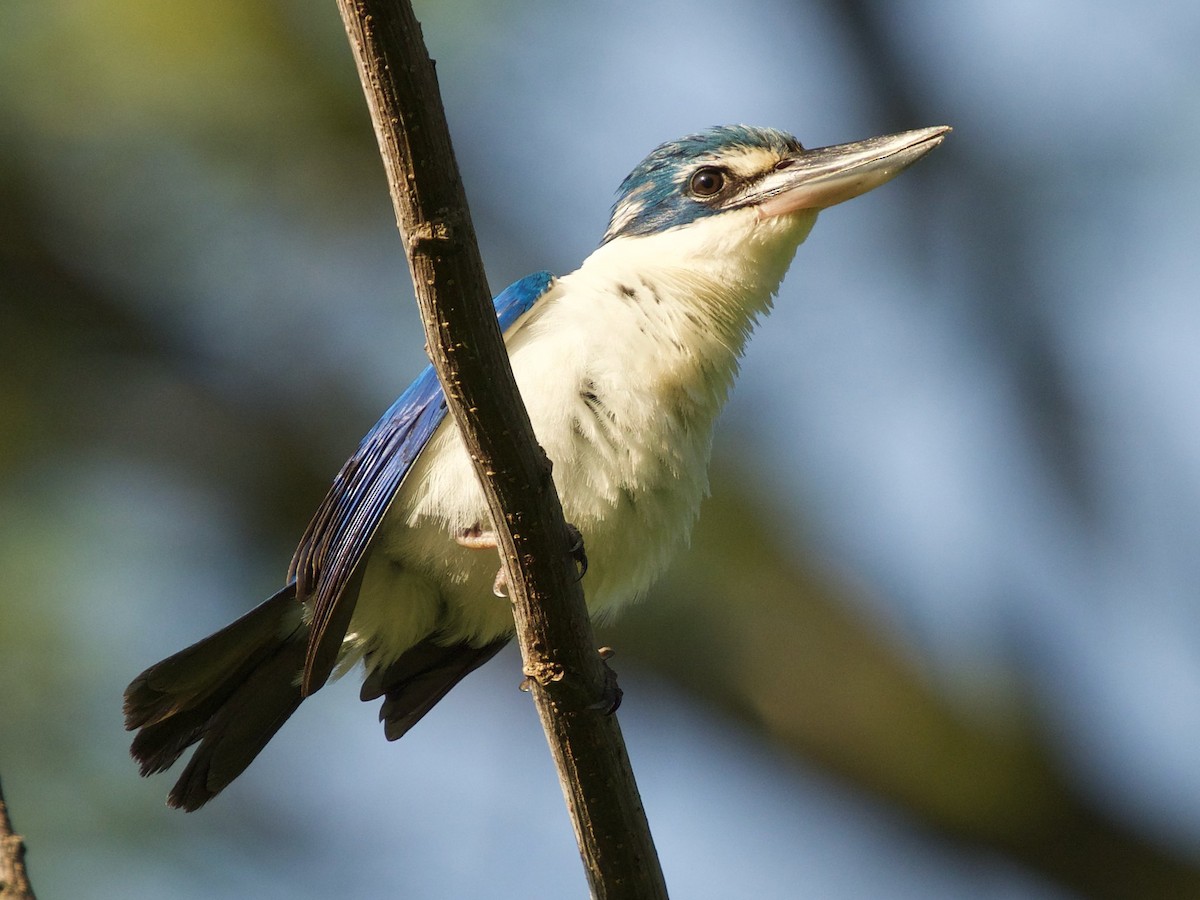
(816, 179)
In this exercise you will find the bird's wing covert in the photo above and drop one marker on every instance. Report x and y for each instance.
(337, 537)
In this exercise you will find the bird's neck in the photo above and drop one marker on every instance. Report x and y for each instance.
(666, 316)
(706, 283)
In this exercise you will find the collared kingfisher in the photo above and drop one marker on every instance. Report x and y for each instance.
(623, 365)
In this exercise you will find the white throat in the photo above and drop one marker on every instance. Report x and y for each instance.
(718, 273)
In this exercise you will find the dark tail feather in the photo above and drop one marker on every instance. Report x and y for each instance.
(241, 727)
(422, 676)
(231, 692)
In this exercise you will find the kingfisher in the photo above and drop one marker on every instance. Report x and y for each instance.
(623, 365)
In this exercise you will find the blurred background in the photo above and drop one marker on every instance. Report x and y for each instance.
(938, 634)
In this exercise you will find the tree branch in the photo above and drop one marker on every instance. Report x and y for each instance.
(14, 881)
(568, 677)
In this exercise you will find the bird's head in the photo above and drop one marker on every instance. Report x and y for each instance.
(714, 219)
(738, 172)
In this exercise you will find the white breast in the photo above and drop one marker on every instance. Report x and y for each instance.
(623, 368)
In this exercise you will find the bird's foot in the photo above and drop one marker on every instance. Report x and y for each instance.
(478, 538)
(610, 692)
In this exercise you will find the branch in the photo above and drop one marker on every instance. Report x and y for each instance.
(14, 882)
(568, 677)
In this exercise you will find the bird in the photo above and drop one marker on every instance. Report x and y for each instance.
(623, 365)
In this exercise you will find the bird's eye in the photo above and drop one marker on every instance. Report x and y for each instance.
(707, 182)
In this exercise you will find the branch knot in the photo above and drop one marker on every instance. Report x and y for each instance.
(433, 237)
(545, 672)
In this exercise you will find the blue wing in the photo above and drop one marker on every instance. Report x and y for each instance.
(326, 562)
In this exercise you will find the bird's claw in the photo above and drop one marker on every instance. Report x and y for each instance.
(577, 551)
(500, 583)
